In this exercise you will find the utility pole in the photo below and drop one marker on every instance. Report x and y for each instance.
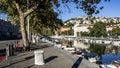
(28, 21)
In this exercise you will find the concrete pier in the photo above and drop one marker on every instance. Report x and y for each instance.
(53, 58)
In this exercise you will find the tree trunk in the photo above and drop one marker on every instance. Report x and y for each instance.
(23, 31)
(22, 16)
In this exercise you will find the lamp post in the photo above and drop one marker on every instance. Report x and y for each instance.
(28, 19)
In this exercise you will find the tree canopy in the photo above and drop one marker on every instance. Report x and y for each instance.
(9, 6)
(45, 19)
(115, 31)
(18, 10)
(98, 30)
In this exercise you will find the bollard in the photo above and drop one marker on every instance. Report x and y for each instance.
(9, 50)
(39, 57)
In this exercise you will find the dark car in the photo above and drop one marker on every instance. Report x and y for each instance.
(46, 37)
(76, 53)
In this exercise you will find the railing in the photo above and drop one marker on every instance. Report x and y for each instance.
(9, 49)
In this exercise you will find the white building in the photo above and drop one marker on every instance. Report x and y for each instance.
(109, 28)
(84, 28)
(81, 28)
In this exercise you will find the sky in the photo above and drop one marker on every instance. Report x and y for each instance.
(3, 16)
(111, 9)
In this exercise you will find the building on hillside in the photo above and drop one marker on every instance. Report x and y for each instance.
(84, 28)
(81, 28)
(109, 28)
(65, 29)
(7, 30)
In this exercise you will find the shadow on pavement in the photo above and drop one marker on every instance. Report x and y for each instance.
(50, 59)
(35, 47)
(46, 61)
(18, 61)
(77, 63)
(30, 57)
(30, 66)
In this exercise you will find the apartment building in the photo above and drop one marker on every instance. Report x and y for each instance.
(7, 29)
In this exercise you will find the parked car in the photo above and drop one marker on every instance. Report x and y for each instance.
(45, 37)
(76, 53)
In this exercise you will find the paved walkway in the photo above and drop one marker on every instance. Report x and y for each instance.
(54, 58)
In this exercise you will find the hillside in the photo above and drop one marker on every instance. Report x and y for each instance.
(93, 19)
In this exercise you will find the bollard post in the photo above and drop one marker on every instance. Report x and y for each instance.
(8, 50)
(8, 54)
(11, 50)
(39, 57)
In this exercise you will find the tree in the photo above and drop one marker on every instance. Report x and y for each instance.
(98, 30)
(84, 34)
(96, 48)
(45, 19)
(17, 10)
(115, 31)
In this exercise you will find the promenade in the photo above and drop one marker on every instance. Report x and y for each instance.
(53, 57)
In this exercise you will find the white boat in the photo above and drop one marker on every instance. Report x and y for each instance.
(92, 59)
(108, 66)
(114, 64)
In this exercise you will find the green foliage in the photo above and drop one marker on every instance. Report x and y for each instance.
(84, 34)
(95, 48)
(115, 31)
(98, 30)
(70, 24)
(90, 7)
(45, 19)
(44, 15)
(70, 32)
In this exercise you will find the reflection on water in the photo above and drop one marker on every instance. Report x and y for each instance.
(109, 58)
(96, 48)
(108, 53)
(103, 49)
(93, 48)
(99, 49)
(80, 44)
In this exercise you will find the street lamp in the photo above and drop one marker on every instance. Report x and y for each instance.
(28, 19)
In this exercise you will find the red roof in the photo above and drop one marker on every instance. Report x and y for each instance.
(111, 26)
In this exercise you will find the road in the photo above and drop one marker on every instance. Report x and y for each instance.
(7, 42)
